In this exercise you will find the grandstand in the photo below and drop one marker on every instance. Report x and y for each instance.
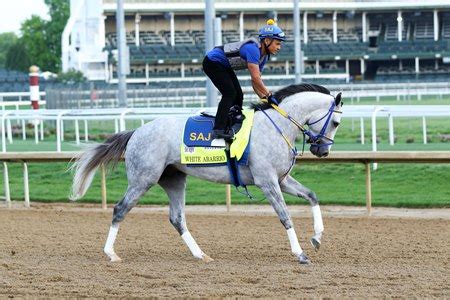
(372, 40)
(358, 41)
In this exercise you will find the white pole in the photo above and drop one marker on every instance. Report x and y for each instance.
(36, 131)
(436, 24)
(77, 132)
(374, 133)
(122, 47)
(347, 70)
(3, 134)
(364, 27)
(58, 134)
(362, 130)
(335, 39)
(26, 189)
(86, 131)
(210, 13)
(42, 129)
(62, 130)
(305, 27)
(6, 185)
(399, 25)
(24, 130)
(363, 66)
(297, 44)
(391, 130)
(217, 31)
(172, 29)
(241, 26)
(424, 130)
(137, 19)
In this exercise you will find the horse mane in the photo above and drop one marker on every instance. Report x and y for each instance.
(290, 90)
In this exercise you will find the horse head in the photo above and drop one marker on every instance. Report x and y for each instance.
(322, 126)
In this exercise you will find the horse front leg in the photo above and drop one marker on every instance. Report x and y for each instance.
(292, 187)
(273, 193)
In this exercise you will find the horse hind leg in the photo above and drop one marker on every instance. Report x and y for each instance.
(129, 200)
(174, 184)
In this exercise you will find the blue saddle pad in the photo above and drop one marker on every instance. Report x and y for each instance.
(197, 131)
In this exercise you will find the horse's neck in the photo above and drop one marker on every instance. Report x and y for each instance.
(301, 109)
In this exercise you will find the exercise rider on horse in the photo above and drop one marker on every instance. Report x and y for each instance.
(252, 54)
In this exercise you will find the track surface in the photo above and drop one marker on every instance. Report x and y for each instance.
(53, 251)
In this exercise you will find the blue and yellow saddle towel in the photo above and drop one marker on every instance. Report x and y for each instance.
(196, 148)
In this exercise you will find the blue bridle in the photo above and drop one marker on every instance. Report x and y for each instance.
(315, 139)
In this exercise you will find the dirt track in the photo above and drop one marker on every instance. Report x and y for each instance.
(57, 251)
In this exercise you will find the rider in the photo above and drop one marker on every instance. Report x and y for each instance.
(252, 54)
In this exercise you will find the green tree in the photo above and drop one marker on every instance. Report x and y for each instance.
(34, 33)
(17, 58)
(7, 39)
(59, 11)
(71, 76)
(42, 39)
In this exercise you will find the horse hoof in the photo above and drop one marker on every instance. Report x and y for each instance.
(303, 259)
(315, 243)
(206, 258)
(114, 257)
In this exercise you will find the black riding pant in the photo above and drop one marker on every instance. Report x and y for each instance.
(228, 85)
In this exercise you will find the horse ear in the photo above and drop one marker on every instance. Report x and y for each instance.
(337, 99)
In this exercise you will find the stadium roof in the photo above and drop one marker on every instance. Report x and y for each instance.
(198, 6)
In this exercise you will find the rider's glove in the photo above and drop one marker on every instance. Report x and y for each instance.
(271, 99)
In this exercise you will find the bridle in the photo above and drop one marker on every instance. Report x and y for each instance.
(313, 139)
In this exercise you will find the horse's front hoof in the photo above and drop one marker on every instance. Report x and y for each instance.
(113, 257)
(315, 243)
(303, 259)
(206, 258)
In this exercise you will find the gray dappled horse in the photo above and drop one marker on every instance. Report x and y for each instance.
(152, 156)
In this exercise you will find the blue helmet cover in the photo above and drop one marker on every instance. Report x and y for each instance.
(272, 31)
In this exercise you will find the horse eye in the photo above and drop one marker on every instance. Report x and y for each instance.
(336, 124)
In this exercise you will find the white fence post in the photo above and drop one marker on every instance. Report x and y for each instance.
(26, 189)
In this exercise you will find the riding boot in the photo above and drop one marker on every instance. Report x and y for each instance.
(222, 134)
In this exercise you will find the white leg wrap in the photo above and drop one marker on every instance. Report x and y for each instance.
(295, 246)
(317, 215)
(190, 242)
(109, 245)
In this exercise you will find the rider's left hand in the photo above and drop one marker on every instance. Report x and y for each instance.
(272, 100)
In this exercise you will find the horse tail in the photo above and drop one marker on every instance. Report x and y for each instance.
(109, 152)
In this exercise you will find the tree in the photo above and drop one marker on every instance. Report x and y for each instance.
(42, 39)
(71, 76)
(7, 39)
(35, 42)
(59, 11)
(17, 58)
